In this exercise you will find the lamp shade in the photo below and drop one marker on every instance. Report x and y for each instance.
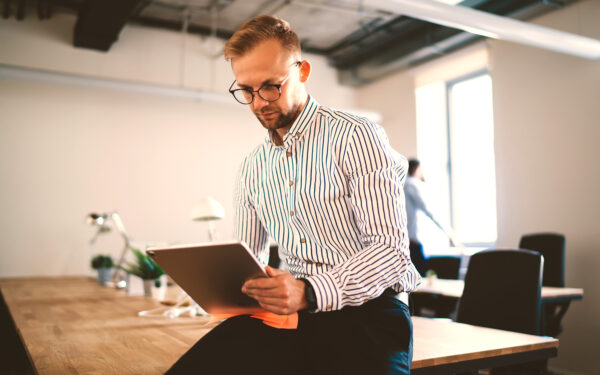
(100, 220)
(207, 209)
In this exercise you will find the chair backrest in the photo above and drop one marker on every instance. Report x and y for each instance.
(503, 290)
(552, 247)
(446, 267)
(417, 257)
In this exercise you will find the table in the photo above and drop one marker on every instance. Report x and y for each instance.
(449, 292)
(454, 289)
(463, 253)
(72, 325)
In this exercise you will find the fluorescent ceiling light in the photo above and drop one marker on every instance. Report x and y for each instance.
(493, 26)
(451, 2)
(8, 72)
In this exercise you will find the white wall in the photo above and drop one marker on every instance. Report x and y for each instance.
(547, 117)
(69, 150)
(547, 127)
(393, 97)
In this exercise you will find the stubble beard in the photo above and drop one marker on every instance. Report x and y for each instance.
(284, 120)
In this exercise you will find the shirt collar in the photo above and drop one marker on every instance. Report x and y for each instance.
(301, 123)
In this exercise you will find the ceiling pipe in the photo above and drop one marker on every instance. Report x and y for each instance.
(493, 26)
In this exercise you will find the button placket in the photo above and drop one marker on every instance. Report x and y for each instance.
(289, 176)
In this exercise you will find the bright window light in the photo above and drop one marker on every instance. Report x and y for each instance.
(455, 144)
(473, 173)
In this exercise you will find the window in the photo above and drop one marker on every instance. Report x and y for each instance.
(455, 143)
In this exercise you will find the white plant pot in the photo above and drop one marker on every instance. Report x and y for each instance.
(134, 285)
(148, 285)
(159, 293)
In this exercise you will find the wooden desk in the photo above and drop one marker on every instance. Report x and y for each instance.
(442, 346)
(454, 289)
(74, 326)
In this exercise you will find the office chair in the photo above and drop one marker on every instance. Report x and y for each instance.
(552, 247)
(503, 291)
(433, 305)
(445, 267)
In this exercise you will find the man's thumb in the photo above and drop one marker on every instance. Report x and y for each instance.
(273, 271)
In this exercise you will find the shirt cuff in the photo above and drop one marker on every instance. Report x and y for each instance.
(326, 291)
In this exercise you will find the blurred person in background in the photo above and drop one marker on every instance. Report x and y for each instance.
(414, 190)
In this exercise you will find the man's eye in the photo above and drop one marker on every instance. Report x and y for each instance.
(269, 88)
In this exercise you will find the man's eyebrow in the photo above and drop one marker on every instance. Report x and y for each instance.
(269, 81)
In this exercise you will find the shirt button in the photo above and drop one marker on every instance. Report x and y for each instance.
(328, 307)
(298, 135)
(291, 213)
(319, 264)
(303, 240)
(288, 154)
(291, 183)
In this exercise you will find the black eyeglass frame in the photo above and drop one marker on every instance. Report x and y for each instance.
(277, 86)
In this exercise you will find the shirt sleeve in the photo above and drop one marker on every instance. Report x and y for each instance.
(247, 224)
(376, 175)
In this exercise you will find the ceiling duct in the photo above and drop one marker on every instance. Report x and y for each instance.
(427, 41)
(99, 22)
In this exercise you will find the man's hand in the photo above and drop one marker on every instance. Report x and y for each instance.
(280, 293)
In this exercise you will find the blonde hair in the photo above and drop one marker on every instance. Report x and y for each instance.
(260, 29)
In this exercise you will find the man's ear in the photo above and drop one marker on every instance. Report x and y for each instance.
(304, 71)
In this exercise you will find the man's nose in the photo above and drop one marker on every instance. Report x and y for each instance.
(259, 102)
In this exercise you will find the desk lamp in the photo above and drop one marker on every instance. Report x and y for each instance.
(103, 224)
(208, 209)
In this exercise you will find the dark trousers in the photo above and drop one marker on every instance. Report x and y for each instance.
(375, 338)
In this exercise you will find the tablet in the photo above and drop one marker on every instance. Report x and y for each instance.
(212, 274)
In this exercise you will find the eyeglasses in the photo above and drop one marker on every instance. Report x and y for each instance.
(268, 92)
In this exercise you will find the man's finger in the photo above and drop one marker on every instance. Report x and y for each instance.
(261, 283)
(274, 271)
(262, 292)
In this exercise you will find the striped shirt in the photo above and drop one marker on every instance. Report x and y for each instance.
(332, 198)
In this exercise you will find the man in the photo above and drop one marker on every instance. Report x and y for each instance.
(415, 202)
(327, 186)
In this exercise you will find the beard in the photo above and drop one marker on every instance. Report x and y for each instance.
(283, 120)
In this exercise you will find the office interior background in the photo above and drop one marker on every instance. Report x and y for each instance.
(148, 129)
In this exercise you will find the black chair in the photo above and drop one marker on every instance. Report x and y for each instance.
(503, 290)
(552, 247)
(445, 267)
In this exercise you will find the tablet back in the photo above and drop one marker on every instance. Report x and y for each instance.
(212, 274)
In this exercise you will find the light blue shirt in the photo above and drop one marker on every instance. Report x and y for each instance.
(332, 198)
(414, 191)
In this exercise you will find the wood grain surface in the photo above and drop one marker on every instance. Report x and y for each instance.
(72, 325)
(442, 341)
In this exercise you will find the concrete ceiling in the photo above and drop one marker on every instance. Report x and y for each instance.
(363, 42)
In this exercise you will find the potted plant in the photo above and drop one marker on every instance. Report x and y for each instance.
(146, 269)
(103, 264)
